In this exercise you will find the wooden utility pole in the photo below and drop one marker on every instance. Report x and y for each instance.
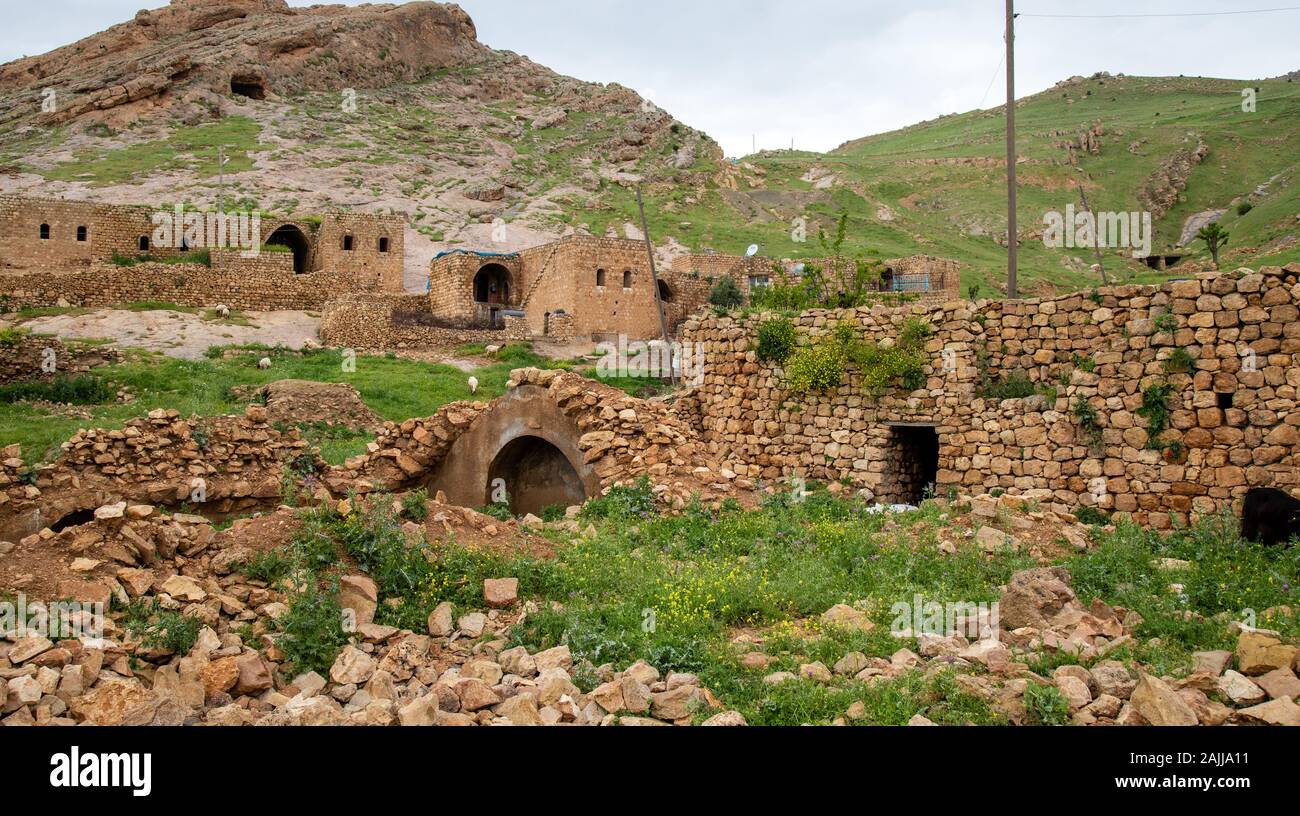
(654, 280)
(1013, 235)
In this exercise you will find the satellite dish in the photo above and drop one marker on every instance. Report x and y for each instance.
(799, 268)
(752, 251)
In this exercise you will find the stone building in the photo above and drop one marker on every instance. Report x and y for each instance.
(1162, 402)
(91, 253)
(600, 288)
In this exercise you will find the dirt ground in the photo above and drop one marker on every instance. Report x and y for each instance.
(180, 334)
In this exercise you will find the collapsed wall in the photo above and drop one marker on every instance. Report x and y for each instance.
(386, 321)
(217, 466)
(1232, 419)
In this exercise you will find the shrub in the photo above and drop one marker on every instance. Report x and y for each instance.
(1045, 705)
(312, 629)
(81, 390)
(776, 340)
(268, 566)
(623, 501)
(1180, 361)
(726, 295)
(11, 336)
(1244, 207)
(1086, 415)
(415, 505)
(162, 629)
(1155, 409)
(818, 367)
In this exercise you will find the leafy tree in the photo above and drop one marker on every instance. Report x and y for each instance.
(1215, 238)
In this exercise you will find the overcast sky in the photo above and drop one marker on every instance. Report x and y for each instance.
(818, 72)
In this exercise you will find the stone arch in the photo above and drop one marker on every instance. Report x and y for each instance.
(288, 235)
(492, 285)
(526, 440)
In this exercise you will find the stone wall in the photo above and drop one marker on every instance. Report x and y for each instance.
(42, 241)
(388, 322)
(1234, 422)
(161, 459)
(263, 283)
(33, 357)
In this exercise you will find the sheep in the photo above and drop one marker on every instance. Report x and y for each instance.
(473, 385)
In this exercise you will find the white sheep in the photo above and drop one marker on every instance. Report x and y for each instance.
(264, 363)
(473, 385)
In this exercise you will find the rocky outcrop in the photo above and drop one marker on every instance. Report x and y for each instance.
(185, 54)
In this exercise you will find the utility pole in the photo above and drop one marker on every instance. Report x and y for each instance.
(1013, 235)
(221, 179)
(654, 280)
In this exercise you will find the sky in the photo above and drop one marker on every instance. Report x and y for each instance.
(817, 73)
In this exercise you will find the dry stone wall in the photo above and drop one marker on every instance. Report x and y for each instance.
(386, 322)
(238, 462)
(34, 357)
(1232, 419)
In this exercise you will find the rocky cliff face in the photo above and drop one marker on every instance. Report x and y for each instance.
(182, 55)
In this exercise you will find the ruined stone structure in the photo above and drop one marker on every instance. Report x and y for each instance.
(96, 254)
(584, 286)
(383, 322)
(1232, 421)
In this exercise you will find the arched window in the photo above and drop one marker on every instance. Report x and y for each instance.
(600, 277)
(81, 233)
(383, 243)
(144, 243)
(45, 232)
(627, 279)
(347, 243)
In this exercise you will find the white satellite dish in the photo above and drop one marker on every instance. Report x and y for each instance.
(799, 268)
(752, 251)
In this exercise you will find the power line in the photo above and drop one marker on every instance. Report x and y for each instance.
(1131, 16)
(992, 79)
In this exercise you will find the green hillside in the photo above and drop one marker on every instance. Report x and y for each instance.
(943, 181)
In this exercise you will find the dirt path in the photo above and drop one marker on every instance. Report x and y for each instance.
(181, 334)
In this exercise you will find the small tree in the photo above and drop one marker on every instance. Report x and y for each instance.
(1215, 238)
(726, 295)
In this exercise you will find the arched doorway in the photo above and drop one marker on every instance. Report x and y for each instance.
(535, 475)
(492, 285)
(665, 292)
(289, 236)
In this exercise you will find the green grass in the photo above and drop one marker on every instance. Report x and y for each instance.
(675, 591)
(396, 389)
(193, 148)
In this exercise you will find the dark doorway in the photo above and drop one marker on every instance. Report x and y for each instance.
(492, 285)
(287, 235)
(536, 475)
(913, 463)
(665, 292)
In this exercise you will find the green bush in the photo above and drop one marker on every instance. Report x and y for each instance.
(726, 295)
(776, 340)
(1180, 361)
(819, 367)
(312, 629)
(1244, 207)
(162, 629)
(11, 336)
(415, 506)
(1045, 705)
(85, 389)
